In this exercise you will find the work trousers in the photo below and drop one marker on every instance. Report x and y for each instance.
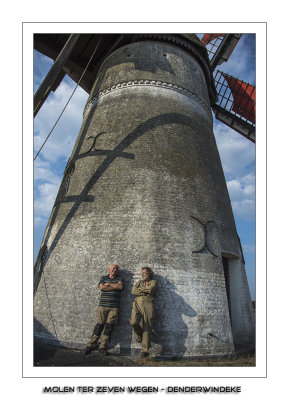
(142, 319)
(106, 320)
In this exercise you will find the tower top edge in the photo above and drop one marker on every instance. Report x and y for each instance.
(92, 49)
(189, 43)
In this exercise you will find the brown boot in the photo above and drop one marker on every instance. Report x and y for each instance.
(138, 333)
(88, 350)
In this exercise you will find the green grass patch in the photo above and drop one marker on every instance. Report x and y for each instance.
(244, 361)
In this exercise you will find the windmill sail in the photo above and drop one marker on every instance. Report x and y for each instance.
(244, 97)
(208, 37)
(236, 104)
(220, 46)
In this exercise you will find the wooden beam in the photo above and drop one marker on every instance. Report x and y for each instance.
(54, 73)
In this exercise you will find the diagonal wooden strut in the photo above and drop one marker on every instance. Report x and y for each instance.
(55, 73)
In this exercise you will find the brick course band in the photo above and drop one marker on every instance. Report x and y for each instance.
(147, 82)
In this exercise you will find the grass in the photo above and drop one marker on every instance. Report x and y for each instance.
(243, 361)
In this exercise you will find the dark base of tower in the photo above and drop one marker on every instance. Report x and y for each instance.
(47, 353)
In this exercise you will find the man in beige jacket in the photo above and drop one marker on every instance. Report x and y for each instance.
(142, 316)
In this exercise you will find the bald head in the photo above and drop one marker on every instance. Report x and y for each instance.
(113, 270)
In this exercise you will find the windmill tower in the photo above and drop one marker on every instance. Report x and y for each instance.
(144, 186)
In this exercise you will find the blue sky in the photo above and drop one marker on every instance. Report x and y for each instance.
(237, 153)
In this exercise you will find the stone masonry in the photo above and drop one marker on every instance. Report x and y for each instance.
(144, 186)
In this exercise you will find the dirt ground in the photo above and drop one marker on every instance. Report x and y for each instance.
(54, 356)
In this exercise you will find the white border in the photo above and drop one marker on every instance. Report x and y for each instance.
(150, 372)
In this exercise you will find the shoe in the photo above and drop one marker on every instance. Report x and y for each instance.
(88, 350)
(144, 354)
(138, 333)
(102, 352)
(138, 338)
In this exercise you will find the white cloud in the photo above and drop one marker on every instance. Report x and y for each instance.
(39, 222)
(237, 152)
(244, 209)
(238, 160)
(46, 186)
(242, 195)
(248, 248)
(41, 65)
(45, 174)
(46, 196)
(50, 163)
(61, 141)
(241, 189)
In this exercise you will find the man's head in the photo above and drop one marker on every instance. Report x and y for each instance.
(113, 270)
(147, 274)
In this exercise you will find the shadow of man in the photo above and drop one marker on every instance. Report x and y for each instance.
(170, 329)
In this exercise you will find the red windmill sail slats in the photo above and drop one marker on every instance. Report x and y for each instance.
(244, 98)
(208, 37)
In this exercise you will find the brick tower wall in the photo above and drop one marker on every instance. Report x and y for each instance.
(144, 186)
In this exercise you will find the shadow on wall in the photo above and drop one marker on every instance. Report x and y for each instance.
(112, 155)
(170, 329)
(42, 350)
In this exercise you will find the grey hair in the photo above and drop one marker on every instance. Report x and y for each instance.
(149, 271)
